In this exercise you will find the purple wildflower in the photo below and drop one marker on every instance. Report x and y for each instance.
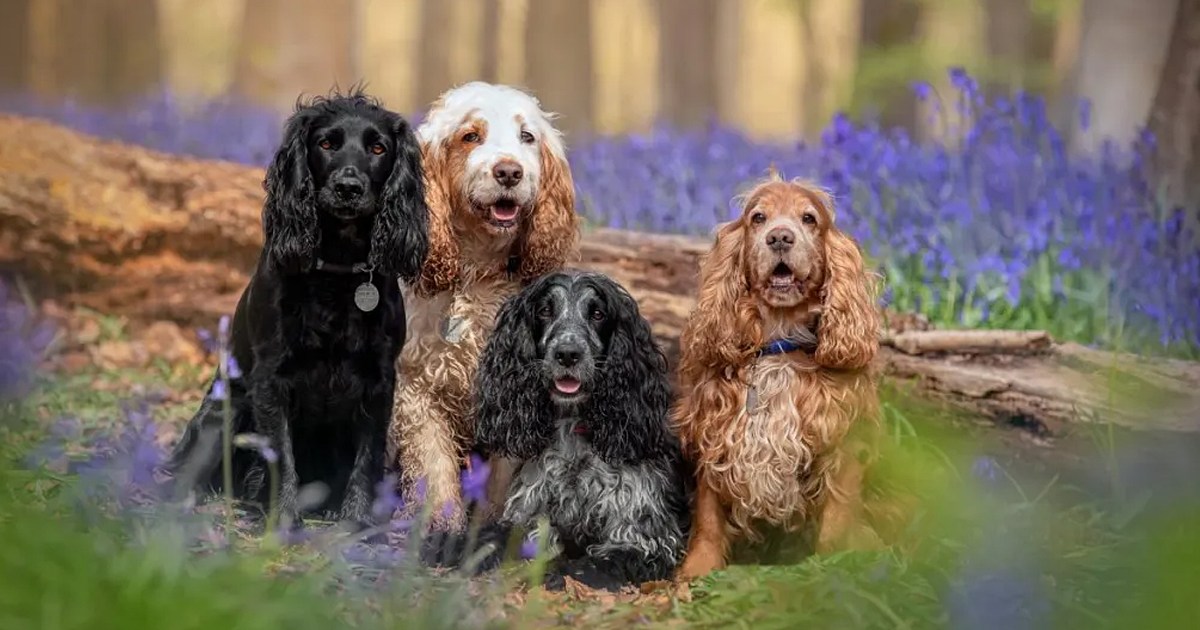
(986, 468)
(207, 341)
(387, 500)
(220, 391)
(232, 369)
(922, 90)
(474, 479)
(529, 548)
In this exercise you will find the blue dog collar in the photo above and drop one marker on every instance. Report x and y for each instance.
(781, 346)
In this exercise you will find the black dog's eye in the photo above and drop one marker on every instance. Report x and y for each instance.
(471, 137)
(527, 137)
(597, 315)
(757, 218)
(325, 144)
(378, 148)
(809, 218)
(545, 312)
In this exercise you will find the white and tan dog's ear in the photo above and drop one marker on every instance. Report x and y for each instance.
(441, 269)
(552, 238)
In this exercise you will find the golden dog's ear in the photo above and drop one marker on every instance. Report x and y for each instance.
(848, 335)
(552, 235)
(440, 271)
(723, 328)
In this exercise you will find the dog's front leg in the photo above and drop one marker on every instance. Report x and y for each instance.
(709, 543)
(272, 408)
(427, 449)
(371, 430)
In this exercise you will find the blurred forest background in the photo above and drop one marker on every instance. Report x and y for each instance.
(772, 68)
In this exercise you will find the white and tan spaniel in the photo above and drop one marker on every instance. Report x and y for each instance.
(501, 212)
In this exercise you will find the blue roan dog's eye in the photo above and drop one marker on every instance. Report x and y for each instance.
(545, 312)
(597, 315)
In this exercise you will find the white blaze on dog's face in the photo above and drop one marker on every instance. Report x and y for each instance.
(491, 139)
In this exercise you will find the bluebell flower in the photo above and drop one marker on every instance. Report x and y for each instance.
(474, 479)
(387, 499)
(232, 369)
(219, 391)
(986, 468)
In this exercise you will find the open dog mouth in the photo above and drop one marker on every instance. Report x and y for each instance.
(567, 385)
(503, 213)
(782, 278)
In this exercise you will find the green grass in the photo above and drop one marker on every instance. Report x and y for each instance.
(64, 567)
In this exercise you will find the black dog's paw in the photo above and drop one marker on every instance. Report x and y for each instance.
(441, 548)
(587, 572)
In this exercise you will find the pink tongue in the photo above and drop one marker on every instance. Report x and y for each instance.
(567, 385)
(504, 213)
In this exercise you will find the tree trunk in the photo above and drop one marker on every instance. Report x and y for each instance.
(130, 232)
(1009, 28)
(888, 31)
(558, 59)
(292, 47)
(490, 43)
(1175, 116)
(433, 53)
(688, 61)
(105, 50)
(1121, 59)
(831, 29)
(15, 44)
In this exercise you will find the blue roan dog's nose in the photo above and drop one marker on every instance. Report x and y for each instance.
(567, 355)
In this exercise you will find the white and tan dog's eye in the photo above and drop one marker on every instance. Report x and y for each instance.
(470, 137)
(527, 137)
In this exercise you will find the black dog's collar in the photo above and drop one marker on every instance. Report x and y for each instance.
(781, 346)
(361, 267)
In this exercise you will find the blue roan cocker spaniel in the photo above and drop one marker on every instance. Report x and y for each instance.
(573, 385)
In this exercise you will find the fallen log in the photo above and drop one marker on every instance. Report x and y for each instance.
(128, 231)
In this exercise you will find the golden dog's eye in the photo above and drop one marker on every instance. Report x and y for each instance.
(527, 137)
(325, 144)
(757, 218)
(597, 315)
(809, 218)
(378, 148)
(471, 137)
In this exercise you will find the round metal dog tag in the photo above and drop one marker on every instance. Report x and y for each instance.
(366, 297)
(452, 329)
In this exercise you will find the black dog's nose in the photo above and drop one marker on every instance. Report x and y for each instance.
(781, 239)
(508, 173)
(348, 188)
(567, 355)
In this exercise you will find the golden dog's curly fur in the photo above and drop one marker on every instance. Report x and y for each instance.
(785, 461)
(473, 266)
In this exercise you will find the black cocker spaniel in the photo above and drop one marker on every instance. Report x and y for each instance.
(573, 384)
(317, 331)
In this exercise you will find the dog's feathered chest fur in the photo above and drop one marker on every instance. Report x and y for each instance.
(591, 502)
(452, 365)
(772, 462)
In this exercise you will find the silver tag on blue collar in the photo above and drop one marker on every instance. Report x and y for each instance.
(366, 297)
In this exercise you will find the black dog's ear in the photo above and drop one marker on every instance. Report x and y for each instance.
(627, 415)
(400, 238)
(290, 227)
(513, 408)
